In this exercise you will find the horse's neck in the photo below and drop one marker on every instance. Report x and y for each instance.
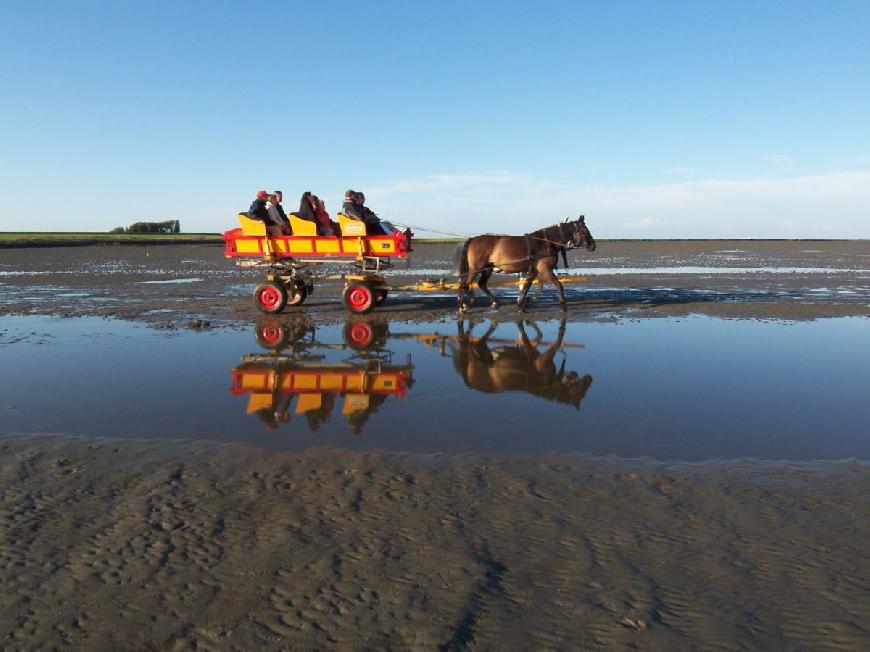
(551, 233)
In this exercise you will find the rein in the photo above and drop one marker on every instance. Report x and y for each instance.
(559, 227)
(555, 246)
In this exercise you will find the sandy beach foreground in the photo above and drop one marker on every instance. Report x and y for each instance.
(127, 545)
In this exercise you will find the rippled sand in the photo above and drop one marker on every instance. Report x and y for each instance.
(126, 545)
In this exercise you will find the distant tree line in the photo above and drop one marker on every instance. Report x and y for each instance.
(169, 226)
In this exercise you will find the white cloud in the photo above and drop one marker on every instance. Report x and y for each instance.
(825, 205)
(644, 223)
(834, 205)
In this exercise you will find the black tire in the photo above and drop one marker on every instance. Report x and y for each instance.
(296, 293)
(380, 297)
(270, 297)
(359, 298)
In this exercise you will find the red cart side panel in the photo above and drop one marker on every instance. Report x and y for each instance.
(237, 244)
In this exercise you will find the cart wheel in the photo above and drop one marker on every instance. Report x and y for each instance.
(380, 297)
(296, 293)
(271, 333)
(359, 335)
(270, 297)
(359, 298)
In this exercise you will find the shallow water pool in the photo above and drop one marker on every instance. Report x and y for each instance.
(689, 389)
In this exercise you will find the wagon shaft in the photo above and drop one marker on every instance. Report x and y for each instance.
(441, 284)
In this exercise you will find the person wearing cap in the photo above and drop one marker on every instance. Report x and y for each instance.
(257, 210)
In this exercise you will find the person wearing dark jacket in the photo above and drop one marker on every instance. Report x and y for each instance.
(257, 211)
(354, 208)
(307, 207)
(350, 207)
(280, 196)
(285, 223)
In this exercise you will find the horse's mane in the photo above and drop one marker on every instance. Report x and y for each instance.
(539, 233)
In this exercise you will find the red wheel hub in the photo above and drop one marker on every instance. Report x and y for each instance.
(271, 333)
(359, 297)
(361, 334)
(269, 297)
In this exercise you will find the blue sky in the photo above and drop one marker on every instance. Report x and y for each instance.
(666, 119)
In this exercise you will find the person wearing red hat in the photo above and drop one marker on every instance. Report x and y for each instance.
(257, 210)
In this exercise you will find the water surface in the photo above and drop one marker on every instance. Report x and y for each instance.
(671, 389)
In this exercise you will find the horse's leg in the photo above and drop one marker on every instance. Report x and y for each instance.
(465, 290)
(524, 338)
(464, 268)
(538, 334)
(530, 277)
(545, 267)
(476, 262)
(562, 325)
(550, 354)
(489, 332)
(466, 293)
(481, 283)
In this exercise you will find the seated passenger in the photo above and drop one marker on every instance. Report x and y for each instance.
(324, 224)
(307, 208)
(284, 221)
(275, 223)
(257, 211)
(354, 208)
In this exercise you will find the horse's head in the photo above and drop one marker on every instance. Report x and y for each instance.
(574, 388)
(580, 235)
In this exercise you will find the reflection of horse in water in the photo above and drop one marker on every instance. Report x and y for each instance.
(520, 368)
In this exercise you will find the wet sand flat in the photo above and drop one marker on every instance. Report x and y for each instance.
(171, 285)
(109, 545)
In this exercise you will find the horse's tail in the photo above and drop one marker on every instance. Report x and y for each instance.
(460, 259)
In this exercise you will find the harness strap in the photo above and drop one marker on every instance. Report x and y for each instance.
(553, 247)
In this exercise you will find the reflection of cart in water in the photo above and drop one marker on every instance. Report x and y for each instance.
(296, 368)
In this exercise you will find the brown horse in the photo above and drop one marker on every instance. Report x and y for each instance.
(533, 254)
(523, 368)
